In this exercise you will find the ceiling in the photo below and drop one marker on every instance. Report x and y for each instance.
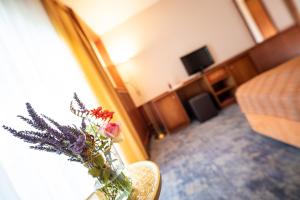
(104, 15)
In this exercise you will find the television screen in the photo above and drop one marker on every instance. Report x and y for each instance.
(197, 60)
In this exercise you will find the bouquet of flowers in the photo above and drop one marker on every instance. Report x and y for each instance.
(91, 144)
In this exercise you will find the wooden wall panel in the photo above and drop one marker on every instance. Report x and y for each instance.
(291, 42)
(276, 50)
(242, 70)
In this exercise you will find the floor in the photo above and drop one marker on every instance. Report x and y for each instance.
(224, 159)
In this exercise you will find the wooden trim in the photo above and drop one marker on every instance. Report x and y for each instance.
(121, 90)
(112, 69)
(160, 96)
(262, 18)
(269, 17)
(268, 14)
(94, 39)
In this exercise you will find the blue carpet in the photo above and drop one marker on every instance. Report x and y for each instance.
(224, 159)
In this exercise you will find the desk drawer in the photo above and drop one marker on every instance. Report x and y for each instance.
(216, 75)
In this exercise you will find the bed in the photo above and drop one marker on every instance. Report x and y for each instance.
(271, 102)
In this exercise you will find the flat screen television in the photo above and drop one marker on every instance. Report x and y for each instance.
(197, 60)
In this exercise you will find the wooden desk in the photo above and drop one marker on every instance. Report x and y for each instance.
(171, 109)
(241, 68)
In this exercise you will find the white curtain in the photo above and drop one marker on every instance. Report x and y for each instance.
(6, 188)
(36, 66)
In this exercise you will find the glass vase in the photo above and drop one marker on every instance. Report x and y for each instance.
(112, 181)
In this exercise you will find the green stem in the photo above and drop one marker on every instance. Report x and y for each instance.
(119, 188)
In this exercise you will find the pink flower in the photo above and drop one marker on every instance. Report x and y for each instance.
(112, 130)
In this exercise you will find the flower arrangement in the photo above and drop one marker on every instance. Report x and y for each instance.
(91, 144)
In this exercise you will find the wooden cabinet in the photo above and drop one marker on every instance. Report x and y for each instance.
(215, 75)
(170, 111)
(242, 70)
(221, 85)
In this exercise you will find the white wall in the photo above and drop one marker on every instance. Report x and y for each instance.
(156, 38)
(297, 4)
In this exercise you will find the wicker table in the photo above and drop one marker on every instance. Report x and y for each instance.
(146, 182)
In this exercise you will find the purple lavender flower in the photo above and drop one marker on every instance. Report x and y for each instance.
(45, 148)
(78, 146)
(79, 103)
(83, 125)
(22, 135)
(68, 132)
(47, 138)
(39, 123)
